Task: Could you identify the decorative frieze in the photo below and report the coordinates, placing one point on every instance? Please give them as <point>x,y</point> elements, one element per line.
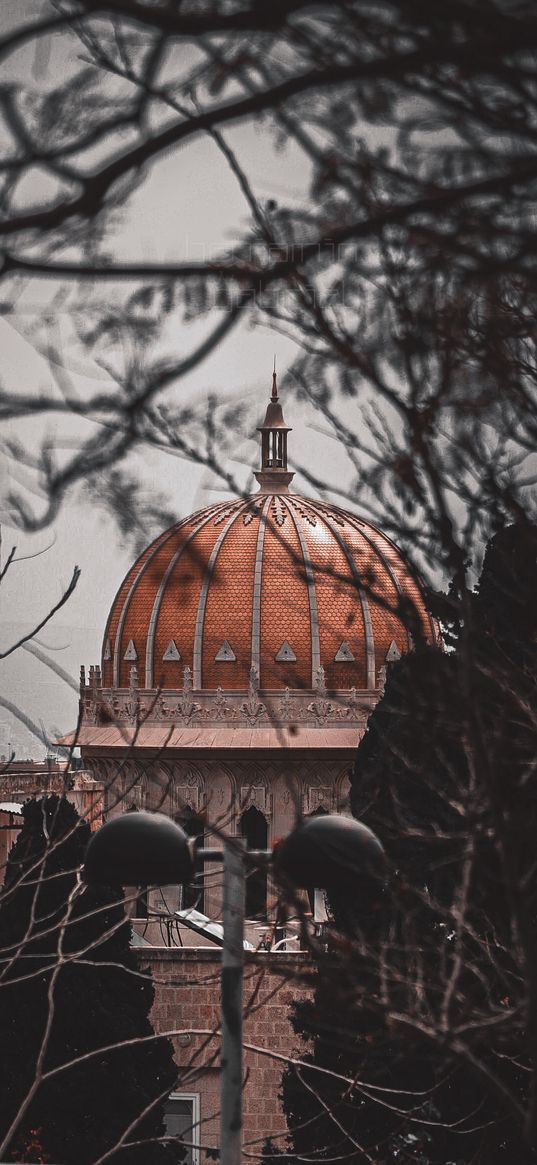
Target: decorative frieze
<point>234,708</point>
<point>227,707</point>
<point>207,787</point>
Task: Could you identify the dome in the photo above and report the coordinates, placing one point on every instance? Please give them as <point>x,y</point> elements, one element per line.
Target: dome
<point>274,582</point>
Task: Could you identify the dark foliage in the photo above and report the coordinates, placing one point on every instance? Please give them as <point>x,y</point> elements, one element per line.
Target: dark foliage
<point>436,1007</point>
<point>99,999</point>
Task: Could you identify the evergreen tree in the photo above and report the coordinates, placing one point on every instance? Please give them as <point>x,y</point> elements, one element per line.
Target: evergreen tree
<point>99,998</point>
<point>436,1006</point>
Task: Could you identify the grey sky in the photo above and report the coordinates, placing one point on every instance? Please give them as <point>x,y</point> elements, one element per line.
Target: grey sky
<point>189,205</point>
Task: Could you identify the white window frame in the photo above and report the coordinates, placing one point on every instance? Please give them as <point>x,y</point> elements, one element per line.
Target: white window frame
<point>194,1097</point>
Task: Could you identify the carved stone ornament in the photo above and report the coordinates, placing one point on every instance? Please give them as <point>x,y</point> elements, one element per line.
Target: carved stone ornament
<point>286,706</point>
<point>344,653</point>
<point>319,797</point>
<point>285,654</point>
<point>163,710</point>
<point>221,709</point>
<point>187,795</point>
<point>255,795</point>
<point>353,703</point>
<point>91,712</point>
<point>172,652</point>
<point>127,709</point>
<point>321,708</point>
<point>187,708</point>
<point>252,708</point>
<point>393,653</point>
<point>225,653</point>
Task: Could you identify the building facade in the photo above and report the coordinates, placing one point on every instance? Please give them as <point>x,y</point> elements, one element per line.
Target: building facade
<point>241,658</point>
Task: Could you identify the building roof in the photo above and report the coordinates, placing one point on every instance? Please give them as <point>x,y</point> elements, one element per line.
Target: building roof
<point>273,591</point>
<point>160,736</point>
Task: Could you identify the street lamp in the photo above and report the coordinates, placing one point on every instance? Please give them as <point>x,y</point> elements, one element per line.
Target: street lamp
<point>141,849</point>
<point>340,850</point>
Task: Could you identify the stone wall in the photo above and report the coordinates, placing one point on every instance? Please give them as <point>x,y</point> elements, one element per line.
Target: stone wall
<point>187,1000</point>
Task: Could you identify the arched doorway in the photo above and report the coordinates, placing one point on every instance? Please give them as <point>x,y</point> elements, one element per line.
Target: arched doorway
<point>254,830</point>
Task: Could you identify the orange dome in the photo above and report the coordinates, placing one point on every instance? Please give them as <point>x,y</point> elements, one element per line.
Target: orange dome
<point>275,582</point>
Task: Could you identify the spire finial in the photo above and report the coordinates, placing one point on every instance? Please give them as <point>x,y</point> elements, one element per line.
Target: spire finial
<point>274,395</point>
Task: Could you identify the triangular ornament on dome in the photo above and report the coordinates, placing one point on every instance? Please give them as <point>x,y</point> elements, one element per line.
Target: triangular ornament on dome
<point>286,653</point>
<point>344,653</point>
<point>131,652</point>
<point>393,653</point>
<point>172,652</point>
<point>225,654</point>
<point>107,653</point>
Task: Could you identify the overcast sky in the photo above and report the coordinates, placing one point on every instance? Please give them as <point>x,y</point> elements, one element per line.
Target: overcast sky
<point>189,205</point>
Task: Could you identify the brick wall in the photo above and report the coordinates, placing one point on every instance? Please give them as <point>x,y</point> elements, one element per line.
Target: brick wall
<point>187,997</point>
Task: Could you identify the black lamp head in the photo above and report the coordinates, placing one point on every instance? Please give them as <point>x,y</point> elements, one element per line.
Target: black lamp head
<point>333,853</point>
<point>139,849</point>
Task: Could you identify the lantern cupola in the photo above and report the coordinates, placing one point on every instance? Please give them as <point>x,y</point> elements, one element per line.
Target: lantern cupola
<point>274,476</point>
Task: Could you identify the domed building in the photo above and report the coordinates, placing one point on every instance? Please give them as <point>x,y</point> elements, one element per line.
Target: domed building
<point>243,654</point>
<point>241,658</point>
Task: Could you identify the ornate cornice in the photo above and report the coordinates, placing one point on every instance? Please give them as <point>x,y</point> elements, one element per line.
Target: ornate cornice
<point>236,708</point>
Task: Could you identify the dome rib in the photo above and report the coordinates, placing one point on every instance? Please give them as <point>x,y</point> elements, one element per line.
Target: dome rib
<point>312,598</point>
<point>197,658</point>
<point>258,578</point>
<point>366,614</point>
<point>153,551</point>
<point>406,566</point>
<point>159,596</point>
<point>359,527</point>
<point>124,610</point>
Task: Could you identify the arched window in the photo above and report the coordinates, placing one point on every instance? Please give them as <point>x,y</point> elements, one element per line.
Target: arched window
<point>254,830</point>
<point>194,826</point>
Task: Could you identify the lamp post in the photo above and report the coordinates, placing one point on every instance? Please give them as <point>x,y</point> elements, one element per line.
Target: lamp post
<point>141,849</point>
